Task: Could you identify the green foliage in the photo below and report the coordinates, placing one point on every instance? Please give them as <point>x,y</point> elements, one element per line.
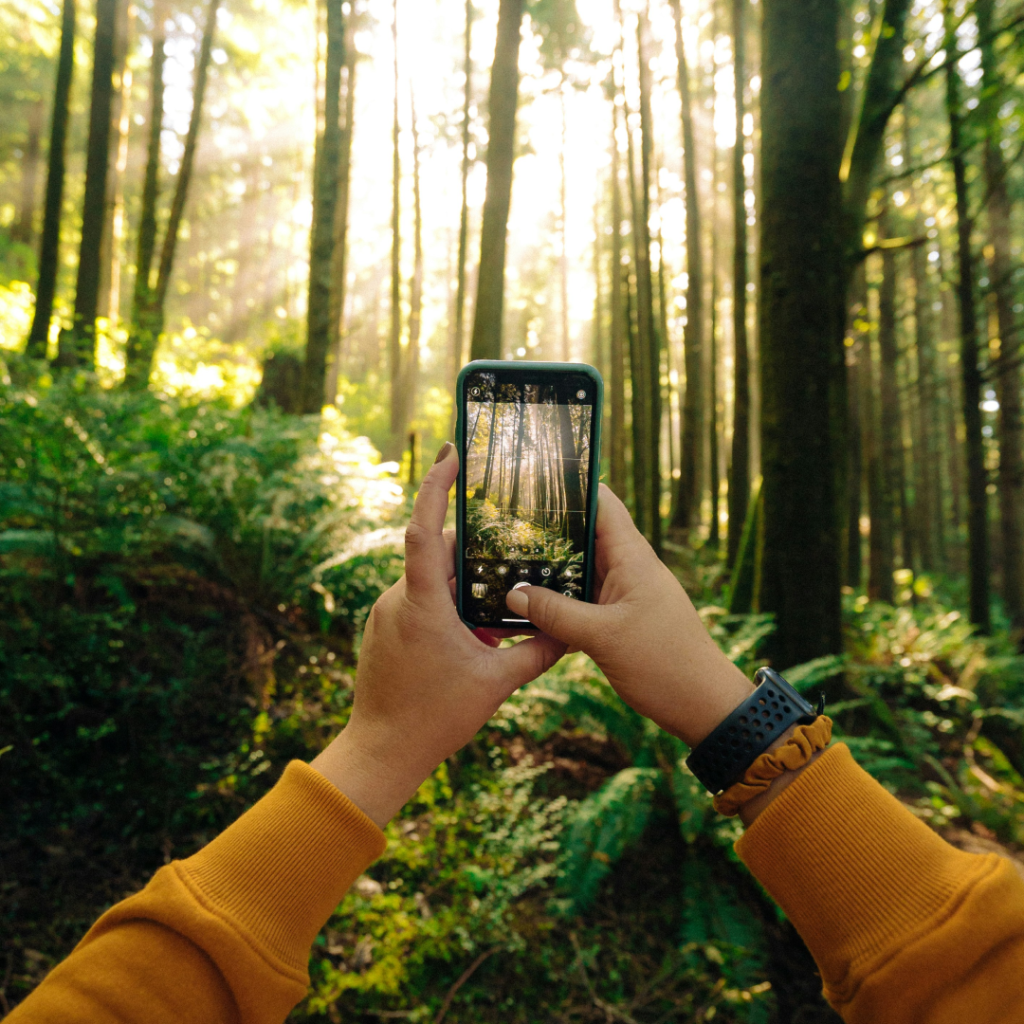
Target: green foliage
<point>502,534</point>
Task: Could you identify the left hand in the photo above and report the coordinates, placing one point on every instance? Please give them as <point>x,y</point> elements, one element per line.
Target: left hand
<point>425,684</point>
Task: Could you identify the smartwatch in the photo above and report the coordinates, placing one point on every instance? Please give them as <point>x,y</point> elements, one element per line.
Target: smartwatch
<point>722,758</point>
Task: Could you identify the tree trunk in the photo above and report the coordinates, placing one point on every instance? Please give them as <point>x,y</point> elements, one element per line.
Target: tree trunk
<point>517,462</point>
<point>339,268</point>
<point>928,486</point>
<point>78,345</point>
<point>858,366</point>
<point>891,437</point>
<point>563,224</point>
<point>880,541</point>
<point>739,471</point>
<point>687,496</point>
<point>395,333</point>
<point>141,341</point>
<point>617,384</point>
<point>649,337</point>
<point>458,335</point>
<point>412,362</point>
<point>24,229</point>
<point>1008,375</point>
<point>977,502</point>
<point>571,479</point>
<point>501,132</point>
<point>113,220</point>
<point>49,242</point>
<point>801,325</point>
<point>325,202</point>
<point>639,351</point>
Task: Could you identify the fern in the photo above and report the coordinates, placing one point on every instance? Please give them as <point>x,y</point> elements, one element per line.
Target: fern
<point>602,827</point>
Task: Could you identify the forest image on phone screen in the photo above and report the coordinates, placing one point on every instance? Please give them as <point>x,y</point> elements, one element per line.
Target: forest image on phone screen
<point>527,472</point>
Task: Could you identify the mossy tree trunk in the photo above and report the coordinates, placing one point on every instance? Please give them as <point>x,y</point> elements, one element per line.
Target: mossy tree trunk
<point>503,99</point>
<point>49,241</point>
<point>139,350</point>
<point>325,201</point>
<point>739,470</point>
<point>977,501</point>
<point>77,346</point>
<point>1008,374</point>
<point>802,285</point>
<point>686,507</point>
<point>617,383</point>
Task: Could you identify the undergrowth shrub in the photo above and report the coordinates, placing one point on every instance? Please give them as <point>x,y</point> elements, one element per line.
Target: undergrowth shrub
<point>171,576</point>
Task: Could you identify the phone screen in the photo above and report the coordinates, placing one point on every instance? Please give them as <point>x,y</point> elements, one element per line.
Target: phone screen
<point>528,442</point>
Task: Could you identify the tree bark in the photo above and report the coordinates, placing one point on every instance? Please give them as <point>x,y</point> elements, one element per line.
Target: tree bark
<point>412,362</point>
<point>649,336</point>
<point>858,355</point>
<point>325,202</point>
<point>977,501</point>
<point>803,392</point>
<point>24,228</point>
<point>739,471</point>
<point>502,101</point>
<point>890,452</point>
<point>77,346</point>
<point>1008,374</point>
<point>141,343</point>
<point>49,242</point>
<point>113,220</point>
<point>395,332</point>
<point>880,542</point>
<point>458,335</point>
<point>617,384</point>
<point>339,268</point>
<point>563,226</point>
<point>687,497</point>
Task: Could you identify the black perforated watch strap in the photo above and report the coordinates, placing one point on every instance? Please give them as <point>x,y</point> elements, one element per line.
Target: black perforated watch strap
<point>721,759</point>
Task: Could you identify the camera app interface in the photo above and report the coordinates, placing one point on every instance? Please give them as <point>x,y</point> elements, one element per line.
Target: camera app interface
<point>527,464</point>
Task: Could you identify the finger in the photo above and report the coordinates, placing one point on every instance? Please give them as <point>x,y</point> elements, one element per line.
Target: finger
<point>449,540</point>
<point>527,660</point>
<point>571,621</point>
<point>426,551</point>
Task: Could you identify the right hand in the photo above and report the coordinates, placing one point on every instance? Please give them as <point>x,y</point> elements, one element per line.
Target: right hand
<point>643,632</point>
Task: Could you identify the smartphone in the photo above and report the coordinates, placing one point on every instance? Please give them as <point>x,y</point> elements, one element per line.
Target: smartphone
<point>529,442</point>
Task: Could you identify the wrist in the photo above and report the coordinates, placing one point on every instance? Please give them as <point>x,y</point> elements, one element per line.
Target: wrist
<point>701,708</point>
<point>370,772</point>
<point>752,808</point>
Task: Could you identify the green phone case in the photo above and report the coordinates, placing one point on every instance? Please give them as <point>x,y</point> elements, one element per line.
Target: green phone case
<point>595,463</point>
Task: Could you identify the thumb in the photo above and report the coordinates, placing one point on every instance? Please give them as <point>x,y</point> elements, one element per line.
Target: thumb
<point>566,619</point>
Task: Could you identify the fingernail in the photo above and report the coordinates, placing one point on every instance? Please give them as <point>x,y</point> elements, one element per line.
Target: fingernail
<point>443,453</point>
<point>518,602</point>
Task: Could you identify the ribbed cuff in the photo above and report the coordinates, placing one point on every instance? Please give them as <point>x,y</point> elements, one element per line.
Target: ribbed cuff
<point>281,869</point>
<point>857,874</point>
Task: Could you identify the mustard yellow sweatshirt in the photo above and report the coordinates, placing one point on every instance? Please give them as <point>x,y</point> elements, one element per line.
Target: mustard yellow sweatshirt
<point>903,926</point>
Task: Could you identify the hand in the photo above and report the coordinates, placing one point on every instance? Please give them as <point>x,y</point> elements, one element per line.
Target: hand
<point>643,632</point>
<point>425,684</point>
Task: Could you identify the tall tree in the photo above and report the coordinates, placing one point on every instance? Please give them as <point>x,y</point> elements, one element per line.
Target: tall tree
<point>113,220</point>
<point>891,437</point>
<point>412,361</point>
<point>739,471</point>
<point>858,366</point>
<point>325,202</point>
<point>647,325</point>
<point>395,333</point>
<point>503,99</point>
<point>617,347</point>
<point>880,539</point>
<point>24,227</point>
<point>801,325</point>
<point>138,353</point>
<point>1007,367</point>
<point>458,335</point>
<point>49,241</point>
<point>339,269</point>
<point>78,345</point>
<point>687,497</point>
<point>977,501</point>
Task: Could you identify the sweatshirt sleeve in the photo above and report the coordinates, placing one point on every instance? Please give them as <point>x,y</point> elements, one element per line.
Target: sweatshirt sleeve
<point>904,927</point>
<point>225,935</point>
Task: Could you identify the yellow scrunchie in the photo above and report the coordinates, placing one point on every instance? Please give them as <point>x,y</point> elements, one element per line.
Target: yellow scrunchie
<point>794,753</point>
